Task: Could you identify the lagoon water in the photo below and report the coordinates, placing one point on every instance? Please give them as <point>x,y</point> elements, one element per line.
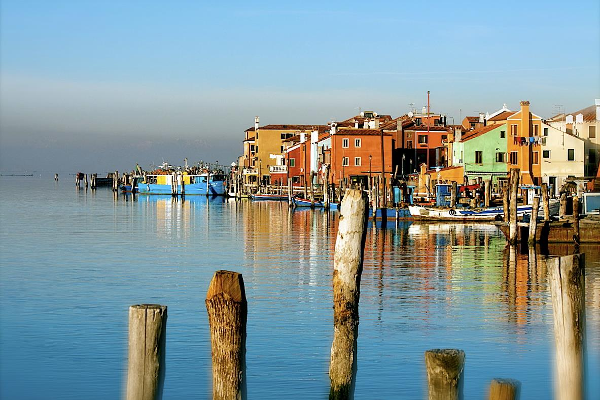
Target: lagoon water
<point>72,261</point>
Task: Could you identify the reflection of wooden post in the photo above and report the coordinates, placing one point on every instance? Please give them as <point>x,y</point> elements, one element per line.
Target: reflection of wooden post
<point>347,270</point>
<point>453,194</point>
<point>444,373</point>
<point>566,278</point>
<point>563,205</point>
<point>533,220</point>
<point>504,389</point>
<point>545,202</point>
<point>514,187</point>
<point>227,313</point>
<point>146,361</point>
<point>488,193</point>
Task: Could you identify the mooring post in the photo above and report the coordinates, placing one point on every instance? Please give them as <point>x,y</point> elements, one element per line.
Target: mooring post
<point>312,190</point>
<point>290,191</point>
<point>545,202</point>
<point>567,287</point>
<point>514,188</point>
<point>488,193</point>
<point>533,220</point>
<point>444,373</point>
<point>506,201</point>
<point>227,314</point>
<point>146,356</point>
<point>347,270</point>
<point>504,389</point>
<point>563,205</point>
<point>576,238</point>
<point>453,194</point>
<point>85,180</point>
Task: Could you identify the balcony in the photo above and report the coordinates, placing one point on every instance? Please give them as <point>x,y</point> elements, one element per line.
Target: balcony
<point>278,169</point>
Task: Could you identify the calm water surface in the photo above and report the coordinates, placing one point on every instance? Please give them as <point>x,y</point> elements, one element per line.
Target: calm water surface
<point>72,261</point>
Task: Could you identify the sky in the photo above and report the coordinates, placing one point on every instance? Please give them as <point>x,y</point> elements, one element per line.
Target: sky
<point>98,86</point>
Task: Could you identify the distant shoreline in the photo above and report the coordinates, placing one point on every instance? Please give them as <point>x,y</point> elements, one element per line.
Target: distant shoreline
<point>16,174</point>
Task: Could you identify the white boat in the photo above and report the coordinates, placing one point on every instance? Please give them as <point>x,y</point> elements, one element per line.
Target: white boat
<point>484,214</point>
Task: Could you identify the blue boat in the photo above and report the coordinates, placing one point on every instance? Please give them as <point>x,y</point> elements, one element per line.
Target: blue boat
<point>205,184</point>
<point>272,197</point>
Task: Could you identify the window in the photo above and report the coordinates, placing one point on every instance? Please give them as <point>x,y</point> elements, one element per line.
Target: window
<point>356,142</point>
<point>478,157</point>
<point>422,139</point>
<point>409,144</point>
<point>418,121</point>
<point>357,161</point>
<point>345,161</point>
<point>535,157</point>
<point>513,157</point>
<point>545,131</point>
<point>252,148</point>
<point>292,162</point>
<point>536,130</point>
<point>345,143</point>
<point>546,154</point>
<point>592,132</point>
<point>514,130</point>
<point>571,155</point>
<point>502,134</point>
<point>285,136</point>
<point>500,157</point>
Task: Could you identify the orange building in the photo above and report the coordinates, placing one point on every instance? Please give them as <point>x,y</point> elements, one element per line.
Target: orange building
<point>524,144</point>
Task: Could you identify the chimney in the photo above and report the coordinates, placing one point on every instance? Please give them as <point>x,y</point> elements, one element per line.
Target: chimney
<point>256,119</point>
<point>333,130</point>
<point>481,118</point>
<point>597,109</point>
<point>525,129</point>
<point>302,137</point>
<point>356,124</point>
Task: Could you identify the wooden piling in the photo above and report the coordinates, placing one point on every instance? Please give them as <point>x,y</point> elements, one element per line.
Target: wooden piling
<point>488,192</point>
<point>146,356</point>
<point>576,237</point>
<point>227,314</point>
<point>85,180</point>
<point>290,192</point>
<point>567,287</point>
<point>444,373</point>
<point>348,263</point>
<point>312,189</point>
<point>504,389</point>
<point>533,220</point>
<point>453,190</point>
<point>506,201</point>
<point>563,206</point>
<point>514,188</point>
<point>545,202</point>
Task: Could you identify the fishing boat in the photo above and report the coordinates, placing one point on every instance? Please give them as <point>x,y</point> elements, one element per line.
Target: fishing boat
<point>466,214</point>
<point>182,183</point>
<point>300,202</point>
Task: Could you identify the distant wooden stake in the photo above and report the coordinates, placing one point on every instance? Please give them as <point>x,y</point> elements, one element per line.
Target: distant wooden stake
<point>453,190</point>
<point>545,202</point>
<point>506,201</point>
<point>504,389</point>
<point>444,373</point>
<point>347,270</point>
<point>146,364</point>
<point>514,188</point>
<point>227,314</point>
<point>488,192</point>
<point>563,206</point>
<point>533,220</point>
<point>576,220</point>
<point>567,287</point>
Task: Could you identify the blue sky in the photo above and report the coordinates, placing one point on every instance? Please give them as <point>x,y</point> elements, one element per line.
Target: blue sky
<point>101,85</point>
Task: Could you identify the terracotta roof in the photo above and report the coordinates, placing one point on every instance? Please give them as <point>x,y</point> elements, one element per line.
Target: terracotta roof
<point>320,128</point>
<point>423,128</point>
<point>589,114</point>
<point>472,119</point>
<point>478,132</point>
<point>502,116</point>
<point>393,124</point>
<point>361,132</point>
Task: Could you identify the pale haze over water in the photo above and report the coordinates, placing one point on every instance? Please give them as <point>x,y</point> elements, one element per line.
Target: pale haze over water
<point>73,261</point>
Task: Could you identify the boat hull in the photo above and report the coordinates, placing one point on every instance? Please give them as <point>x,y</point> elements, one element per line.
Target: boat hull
<point>271,197</point>
<point>214,189</point>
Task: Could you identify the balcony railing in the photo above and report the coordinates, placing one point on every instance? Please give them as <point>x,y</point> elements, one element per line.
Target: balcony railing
<point>278,169</point>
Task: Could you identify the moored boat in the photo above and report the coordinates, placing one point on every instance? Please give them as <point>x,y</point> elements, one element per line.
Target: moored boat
<point>207,184</point>
<point>272,197</point>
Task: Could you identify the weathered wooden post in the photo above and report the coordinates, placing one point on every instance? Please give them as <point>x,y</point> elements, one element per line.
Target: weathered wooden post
<point>506,201</point>
<point>227,314</point>
<point>567,287</point>
<point>116,181</point>
<point>444,373</point>
<point>533,220</point>
<point>207,183</point>
<point>146,359</point>
<point>514,187</point>
<point>85,180</point>
<point>576,238</point>
<point>347,270</point>
<point>563,205</point>
<point>488,192</point>
<point>182,183</point>
<point>312,189</point>
<point>545,202</point>
<point>504,389</point>
<point>428,185</point>
<point>290,192</point>
<point>453,190</point>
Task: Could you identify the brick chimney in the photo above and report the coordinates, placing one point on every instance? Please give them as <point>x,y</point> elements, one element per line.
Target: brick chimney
<point>525,128</point>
